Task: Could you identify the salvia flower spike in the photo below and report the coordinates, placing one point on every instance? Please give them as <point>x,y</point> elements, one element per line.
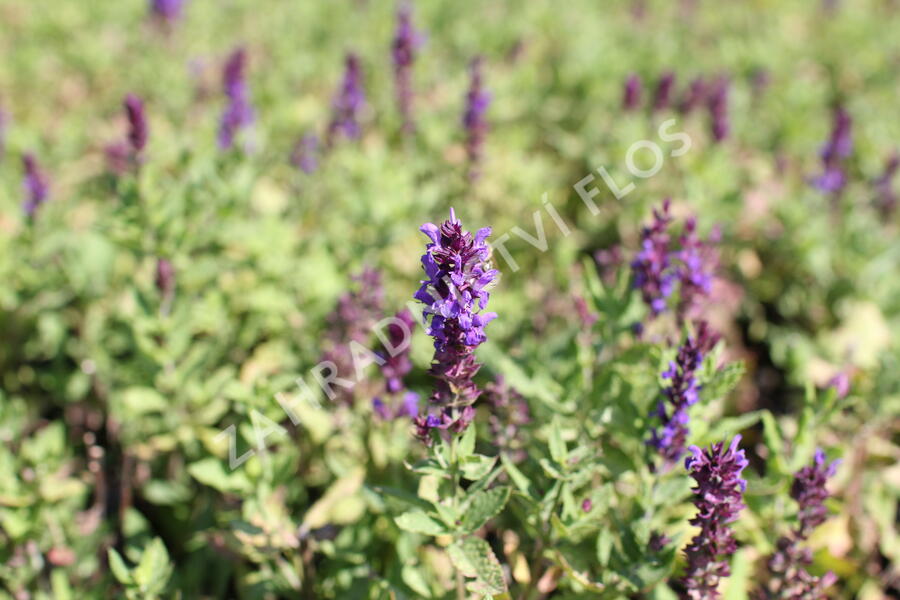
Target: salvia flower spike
<point>305,153</point>
<point>238,114</point>
<point>833,154</point>
<point>455,293</point>
<point>651,266</point>
<point>717,103</point>
<point>633,91</point>
<point>35,184</point>
<point>680,393</point>
<point>789,578</point>
<point>886,196</point>
<point>403,52</point>
<point>478,99</point>
<point>718,496</point>
<point>696,262</point>
<point>137,123</point>
<point>348,102</point>
<point>167,11</point>
<point>662,99</point>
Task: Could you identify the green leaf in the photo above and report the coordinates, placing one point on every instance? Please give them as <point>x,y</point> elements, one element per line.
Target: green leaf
<point>483,506</point>
<point>477,466</point>
<point>153,572</point>
<point>774,443</point>
<point>118,568</point>
<point>324,510</point>
<point>739,581</point>
<point>558,448</point>
<point>604,546</point>
<point>210,471</point>
<point>475,559</point>
<point>518,478</point>
<point>466,444</point>
<point>417,521</point>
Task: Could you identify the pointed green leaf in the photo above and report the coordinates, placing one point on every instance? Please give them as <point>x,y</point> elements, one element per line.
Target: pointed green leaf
<point>483,506</point>
<point>475,559</point>
<point>417,521</point>
<point>118,568</point>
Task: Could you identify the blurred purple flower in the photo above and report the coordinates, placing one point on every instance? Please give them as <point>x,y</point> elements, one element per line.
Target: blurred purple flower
<point>631,97</point>
<point>509,413</point>
<point>403,51</point>
<point>838,147</point>
<point>125,155</point>
<point>478,99</point>
<point>585,316</point>
<point>695,265</point>
<point>609,261</point>
<point>35,184</point>
<point>681,392</point>
<point>396,352</point>
<point>409,407</point>
<point>717,104</point>
<point>238,113</point>
<point>694,97</point>
<point>841,384</point>
<point>167,11</point>
<point>887,197</point>
<point>810,493</point>
<point>137,123</point>
<point>304,156</point>
<point>787,565</point>
<point>718,497</point>
<point>662,97</point>
<point>455,293</point>
<point>352,322</point>
<point>348,102</point>
<point>651,266</point>
<point>165,277</point>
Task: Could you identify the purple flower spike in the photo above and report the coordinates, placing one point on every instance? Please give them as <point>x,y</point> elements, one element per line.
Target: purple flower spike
<point>167,11</point>
<point>810,493</point>
<point>403,51</point>
<point>35,184</point>
<point>838,147</point>
<point>165,277</point>
<point>663,96</point>
<point>137,123</point>
<point>718,497</point>
<point>717,103</point>
<point>631,97</point>
<point>396,362</point>
<point>348,103</point>
<point>238,113</point>
<point>696,263</point>
<point>509,414</point>
<point>887,197</point>
<point>351,323</point>
<point>455,293</point>
<point>787,565</point>
<point>651,265</point>
<point>694,97</point>
<point>478,99</point>
<point>305,153</point>
<point>681,393</point>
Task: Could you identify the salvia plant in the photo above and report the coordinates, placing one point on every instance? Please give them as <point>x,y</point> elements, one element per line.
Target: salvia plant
<point>294,305</point>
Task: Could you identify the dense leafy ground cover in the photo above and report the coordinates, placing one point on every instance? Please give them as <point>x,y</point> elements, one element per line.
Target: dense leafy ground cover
<point>175,276</point>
